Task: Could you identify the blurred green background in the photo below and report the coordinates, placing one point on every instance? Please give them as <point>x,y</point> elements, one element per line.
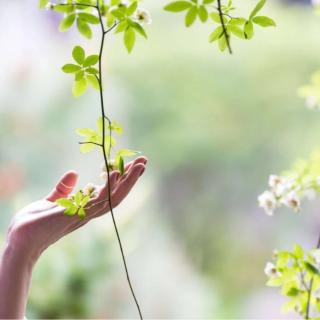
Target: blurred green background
<point>213,126</point>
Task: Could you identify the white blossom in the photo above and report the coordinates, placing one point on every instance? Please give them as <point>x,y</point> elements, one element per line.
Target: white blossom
<point>89,189</point>
<point>268,202</point>
<point>143,16</point>
<point>104,176</point>
<point>292,200</point>
<point>275,180</point>
<point>271,270</point>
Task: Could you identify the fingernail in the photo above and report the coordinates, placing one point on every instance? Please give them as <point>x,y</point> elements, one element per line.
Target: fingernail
<point>142,171</point>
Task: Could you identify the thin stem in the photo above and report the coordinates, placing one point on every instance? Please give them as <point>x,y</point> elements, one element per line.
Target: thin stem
<point>76,4</point>
<point>89,142</point>
<point>224,28</point>
<point>310,289</point>
<point>104,32</point>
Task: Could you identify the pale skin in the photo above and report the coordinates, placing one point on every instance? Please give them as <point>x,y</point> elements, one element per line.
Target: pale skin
<point>42,223</point>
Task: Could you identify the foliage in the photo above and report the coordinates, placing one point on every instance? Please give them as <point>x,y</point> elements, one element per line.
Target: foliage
<point>75,205</point>
<point>297,273</point>
<point>221,15</point>
<point>124,18</point>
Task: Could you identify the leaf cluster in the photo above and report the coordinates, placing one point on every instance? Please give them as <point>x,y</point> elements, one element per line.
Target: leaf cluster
<point>297,273</point>
<point>84,71</point>
<point>226,25</point>
<point>84,14</point>
<point>94,139</point>
<point>75,205</point>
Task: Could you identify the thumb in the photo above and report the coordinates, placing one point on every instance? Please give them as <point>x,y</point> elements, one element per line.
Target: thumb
<point>64,187</point>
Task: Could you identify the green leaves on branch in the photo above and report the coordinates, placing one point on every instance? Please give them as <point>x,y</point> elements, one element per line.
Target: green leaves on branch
<point>93,139</point>
<point>226,24</point>
<point>129,18</point>
<point>75,205</point>
<point>84,70</point>
<point>297,273</point>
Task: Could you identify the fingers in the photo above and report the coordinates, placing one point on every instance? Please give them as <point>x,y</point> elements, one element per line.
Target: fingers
<point>121,188</point>
<point>104,191</point>
<point>64,187</point>
<point>141,159</point>
<point>125,186</point>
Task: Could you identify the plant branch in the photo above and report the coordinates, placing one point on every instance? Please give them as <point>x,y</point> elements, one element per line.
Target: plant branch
<point>103,114</point>
<point>76,4</point>
<point>310,290</point>
<point>89,142</point>
<point>225,32</point>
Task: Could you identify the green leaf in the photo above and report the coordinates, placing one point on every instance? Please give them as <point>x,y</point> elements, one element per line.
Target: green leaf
<point>216,18</point>
<point>85,148</point>
<point>248,30</point>
<point>191,16</point>
<point>93,81</point>
<point>67,22</point>
<point>264,21</point>
<point>91,60</point>
<point>222,43</point>
<point>216,34</point>
<point>78,54</point>
<point>85,201</point>
<point>86,132</point>
<point>63,9</point>
<point>115,127</point>
<point>177,6</point>
<point>92,70</point>
<point>236,30</point>
<point>311,268</point>
<point>125,153</point>
<point>237,21</point>
<point>63,202</point>
<point>82,213</point>
<point>43,3</point>
<point>121,165</point>
<point>139,29</point>
<point>132,8</point>
<point>298,251</point>
<point>88,17</point>
<point>257,8</point>
<point>84,28</point>
<point>71,68</point>
<point>71,211</point>
<point>79,87</point>
<point>129,39</point>
<point>203,14</point>
<point>78,197</point>
<point>208,1</point>
<point>122,26</point>
<point>119,14</point>
<point>79,75</point>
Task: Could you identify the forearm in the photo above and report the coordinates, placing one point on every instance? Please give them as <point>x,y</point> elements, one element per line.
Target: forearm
<point>15,278</point>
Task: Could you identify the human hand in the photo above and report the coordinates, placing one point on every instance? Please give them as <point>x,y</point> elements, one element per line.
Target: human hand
<point>42,223</point>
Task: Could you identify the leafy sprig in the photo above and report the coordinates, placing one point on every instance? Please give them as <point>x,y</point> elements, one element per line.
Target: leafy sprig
<point>75,205</point>
<point>226,25</point>
<point>122,18</point>
<point>297,273</point>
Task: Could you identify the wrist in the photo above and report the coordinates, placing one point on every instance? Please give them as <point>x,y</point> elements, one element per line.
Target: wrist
<point>15,276</point>
<point>19,251</point>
